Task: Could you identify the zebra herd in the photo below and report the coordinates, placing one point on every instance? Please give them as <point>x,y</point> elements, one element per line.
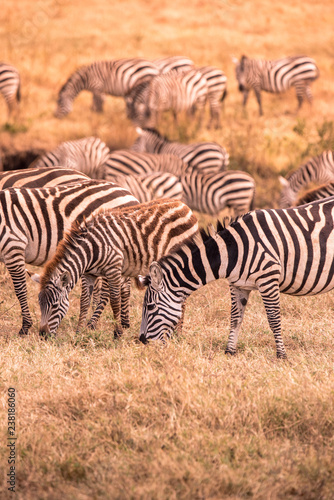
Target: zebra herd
<point>102,216</point>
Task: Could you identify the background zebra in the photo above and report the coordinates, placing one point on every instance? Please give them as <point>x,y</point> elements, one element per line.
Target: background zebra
<point>123,162</point>
<point>209,157</point>
<point>33,221</point>
<point>318,193</point>
<point>276,76</point>
<point>217,81</point>
<point>40,177</point>
<point>10,87</point>
<point>319,169</point>
<point>116,77</point>
<point>273,251</point>
<point>87,155</point>
<point>170,91</point>
<point>174,63</point>
<point>212,193</point>
<point>152,186</point>
<point>118,245</point>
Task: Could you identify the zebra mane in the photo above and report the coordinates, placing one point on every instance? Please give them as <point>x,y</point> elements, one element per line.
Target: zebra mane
<point>156,133</point>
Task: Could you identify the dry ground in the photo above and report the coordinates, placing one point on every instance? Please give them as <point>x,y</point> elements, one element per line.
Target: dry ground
<point>103,419</point>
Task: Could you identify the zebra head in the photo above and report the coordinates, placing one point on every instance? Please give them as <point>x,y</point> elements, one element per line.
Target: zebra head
<point>241,73</point>
<point>288,195</point>
<point>162,307</point>
<point>64,102</point>
<point>54,302</point>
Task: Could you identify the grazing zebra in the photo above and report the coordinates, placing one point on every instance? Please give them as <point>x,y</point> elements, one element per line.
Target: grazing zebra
<point>318,193</point>
<point>87,155</point>
<point>117,245</point>
<point>152,186</point>
<point>10,87</point>
<point>124,162</point>
<point>319,169</point>
<point>170,91</point>
<point>217,81</point>
<point>273,251</point>
<point>40,177</point>
<point>33,221</point>
<point>211,193</point>
<point>116,77</point>
<point>174,63</point>
<point>208,157</point>
<point>276,76</point>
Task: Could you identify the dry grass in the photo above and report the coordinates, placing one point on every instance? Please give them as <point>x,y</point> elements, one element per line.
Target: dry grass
<point>105,419</point>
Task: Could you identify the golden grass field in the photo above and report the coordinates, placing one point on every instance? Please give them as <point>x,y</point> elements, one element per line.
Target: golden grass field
<point>103,419</point>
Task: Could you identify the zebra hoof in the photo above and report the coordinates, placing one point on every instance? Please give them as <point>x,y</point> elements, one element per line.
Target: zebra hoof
<point>23,332</point>
<point>230,352</point>
<point>126,324</point>
<point>281,356</point>
<point>117,334</point>
<point>91,326</point>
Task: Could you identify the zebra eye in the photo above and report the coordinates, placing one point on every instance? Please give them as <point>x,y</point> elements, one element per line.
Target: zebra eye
<point>151,307</point>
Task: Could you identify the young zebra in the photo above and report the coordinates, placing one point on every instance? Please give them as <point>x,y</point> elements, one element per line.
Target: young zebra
<point>276,76</point>
<point>212,193</point>
<point>115,77</point>
<point>10,87</point>
<point>152,186</point>
<point>40,177</point>
<point>124,162</point>
<point>217,81</point>
<point>273,251</point>
<point>170,91</point>
<point>319,169</point>
<point>318,193</point>
<point>117,245</point>
<point>87,155</point>
<point>208,157</point>
<point>174,63</point>
<point>33,221</point>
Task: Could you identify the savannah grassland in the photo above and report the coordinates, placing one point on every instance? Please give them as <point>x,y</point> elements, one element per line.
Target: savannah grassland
<point>98,418</point>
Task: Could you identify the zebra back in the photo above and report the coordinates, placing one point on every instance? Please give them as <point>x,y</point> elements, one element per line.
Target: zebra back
<point>40,177</point>
<point>173,63</point>
<point>152,186</point>
<point>10,86</point>
<point>318,193</point>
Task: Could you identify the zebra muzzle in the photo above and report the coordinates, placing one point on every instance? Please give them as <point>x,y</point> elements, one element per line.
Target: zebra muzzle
<point>143,339</point>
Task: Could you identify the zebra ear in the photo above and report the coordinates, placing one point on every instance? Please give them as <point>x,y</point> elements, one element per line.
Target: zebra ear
<point>139,130</point>
<point>155,274</point>
<point>235,60</point>
<point>283,181</point>
<point>35,277</point>
<point>65,278</point>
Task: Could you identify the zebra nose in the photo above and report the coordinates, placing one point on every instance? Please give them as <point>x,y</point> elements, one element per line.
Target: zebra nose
<point>44,331</point>
<point>142,339</point>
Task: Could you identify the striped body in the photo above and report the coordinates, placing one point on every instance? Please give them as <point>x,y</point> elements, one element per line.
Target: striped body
<point>211,193</point>
<point>123,162</point>
<point>117,245</point>
<point>318,193</point>
<point>319,169</point>
<point>209,157</point>
<point>10,87</point>
<point>87,155</point>
<point>152,186</point>
<point>273,251</point>
<point>174,63</point>
<point>170,91</point>
<point>217,82</point>
<point>277,76</point>
<point>40,177</point>
<point>33,221</point>
<point>116,77</point>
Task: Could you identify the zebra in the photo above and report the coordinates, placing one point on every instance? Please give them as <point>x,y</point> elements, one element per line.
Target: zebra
<point>319,169</point>
<point>318,193</point>
<point>174,63</point>
<point>152,186</point>
<point>211,193</point>
<point>270,250</point>
<point>217,82</point>
<point>170,91</point>
<point>10,87</point>
<point>33,221</point>
<point>124,162</point>
<point>115,244</point>
<point>88,155</point>
<point>276,76</point>
<point>208,157</point>
<point>115,77</point>
<point>40,177</point>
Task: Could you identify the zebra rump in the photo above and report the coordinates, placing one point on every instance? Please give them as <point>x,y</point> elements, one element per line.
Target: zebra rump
<point>40,177</point>
<point>152,186</point>
<point>10,87</point>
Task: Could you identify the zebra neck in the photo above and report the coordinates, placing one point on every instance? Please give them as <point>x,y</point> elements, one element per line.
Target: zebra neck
<point>76,261</point>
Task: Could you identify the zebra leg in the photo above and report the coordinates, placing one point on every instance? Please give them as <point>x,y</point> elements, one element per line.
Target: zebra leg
<point>18,274</point>
<point>239,299</point>
<point>245,97</point>
<point>97,103</point>
<point>87,286</point>
<point>114,278</point>
<point>102,302</point>
<point>271,300</point>
<point>258,98</point>
<point>125,301</point>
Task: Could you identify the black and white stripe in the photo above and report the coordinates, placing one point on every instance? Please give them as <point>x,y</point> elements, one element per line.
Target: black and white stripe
<point>33,221</point>
<point>116,245</point>
<point>152,186</point>
<point>217,83</point>
<point>319,169</point>
<point>174,63</point>
<point>116,77</point>
<point>318,193</point>
<point>209,157</point>
<point>276,76</point>
<point>273,251</point>
<point>40,177</point>
<point>211,193</point>
<point>87,155</point>
<point>10,87</point>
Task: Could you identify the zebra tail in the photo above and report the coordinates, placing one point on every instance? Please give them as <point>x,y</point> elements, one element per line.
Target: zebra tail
<point>224,94</point>
<point>18,93</point>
